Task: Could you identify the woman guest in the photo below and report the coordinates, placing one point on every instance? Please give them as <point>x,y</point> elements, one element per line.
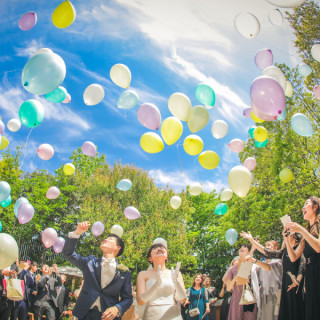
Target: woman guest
<point>160,289</point>
<point>310,248</point>
<point>197,298</point>
<point>213,297</point>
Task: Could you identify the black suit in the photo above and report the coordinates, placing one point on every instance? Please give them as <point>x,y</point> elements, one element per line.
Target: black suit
<point>62,300</point>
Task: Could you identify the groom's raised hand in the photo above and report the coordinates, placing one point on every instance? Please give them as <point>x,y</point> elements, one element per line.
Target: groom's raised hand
<point>82,227</point>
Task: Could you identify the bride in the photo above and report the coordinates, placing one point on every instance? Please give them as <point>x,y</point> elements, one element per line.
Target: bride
<point>160,289</point>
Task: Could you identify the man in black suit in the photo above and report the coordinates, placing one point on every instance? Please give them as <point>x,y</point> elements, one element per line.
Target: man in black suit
<point>61,300</point>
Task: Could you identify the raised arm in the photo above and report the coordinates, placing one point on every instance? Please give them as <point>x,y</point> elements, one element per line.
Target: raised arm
<point>294,255</point>
<point>255,244</point>
<point>262,265</point>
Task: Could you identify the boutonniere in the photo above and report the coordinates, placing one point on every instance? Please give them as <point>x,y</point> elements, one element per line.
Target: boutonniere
<point>121,267</point>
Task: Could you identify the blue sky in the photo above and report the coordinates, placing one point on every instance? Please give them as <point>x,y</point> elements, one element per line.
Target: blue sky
<point>169,46</point>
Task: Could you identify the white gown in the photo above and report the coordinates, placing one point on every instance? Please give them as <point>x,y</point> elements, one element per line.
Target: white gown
<point>162,305</point>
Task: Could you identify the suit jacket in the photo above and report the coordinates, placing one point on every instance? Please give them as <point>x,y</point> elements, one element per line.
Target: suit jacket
<point>30,285</point>
<point>119,288</point>
<point>62,299</point>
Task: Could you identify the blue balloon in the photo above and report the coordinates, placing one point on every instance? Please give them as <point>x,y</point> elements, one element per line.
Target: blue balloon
<point>128,100</point>
<point>231,236</point>
<point>5,190</point>
<point>301,125</point>
<point>221,209</point>
<point>6,203</point>
<point>18,203</point>
<point>57,95</point>
<point>124,185</point>
<point>0,226</point>
<point>205,94</point>
<point>304,69</point>
<point>250,131</point>
<point>282,116</point>
<point>262,144</point>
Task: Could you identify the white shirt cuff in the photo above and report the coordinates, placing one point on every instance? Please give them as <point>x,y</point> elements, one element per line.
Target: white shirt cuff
<point>73,235</point>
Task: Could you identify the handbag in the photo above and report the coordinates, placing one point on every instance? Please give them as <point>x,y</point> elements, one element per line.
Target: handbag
<point>195,311</point>
<point>247,296</point>
<point>15,289</point>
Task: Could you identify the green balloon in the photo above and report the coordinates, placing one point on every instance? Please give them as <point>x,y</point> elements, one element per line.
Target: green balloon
<point>205,94</point>
<point>31,113</point>
<point>57,95</point>
<point>6,203</point>
<point>260,144</point>
<point>0,226</point>
<point>250,131</point>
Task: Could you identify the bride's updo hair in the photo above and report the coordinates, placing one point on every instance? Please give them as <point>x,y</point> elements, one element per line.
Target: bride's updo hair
<point>157,245</point>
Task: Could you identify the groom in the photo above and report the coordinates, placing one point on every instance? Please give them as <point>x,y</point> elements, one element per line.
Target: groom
<point>107,290</point>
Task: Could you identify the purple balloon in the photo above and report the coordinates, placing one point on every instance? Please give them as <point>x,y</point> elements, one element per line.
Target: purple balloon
<point>247,112</point>
<point>89,149</point>
<point>58,245</point>
<point>25,213</point>
<point>267,98</point>
<point>49,237</point>
<point>97,228</point>
<point>131,213</point>
<point>264,58</point>
<point>27,21</point>
<point>2,127</point>
<point>149,116</point>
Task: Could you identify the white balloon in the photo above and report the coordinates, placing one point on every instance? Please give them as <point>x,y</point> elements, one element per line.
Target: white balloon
<point>180,106</point>
<point>93,94</point>
<point>315,52</point>
<point>240,180</point>
<point>289,90</point>
<point>8,250</point>
<point>175,202</point>
<point>195,188</point>
<point>226,194</point>
<point>247,24</point>
<point>276,17</point>
<point>45,151</point>
<point>219,129</point>
<point>276,74</point>
<point>14,125</point>
<point>287,3</point>
<point>120,74</point>
<point>116,229</point>
<point>42,50</point>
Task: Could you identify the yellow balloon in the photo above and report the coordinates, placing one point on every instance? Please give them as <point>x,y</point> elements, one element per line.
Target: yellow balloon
<point>209,159</point>
<point>4,143</point>
<point>289,89</point>
<point>69,169</point>
<point>260,134</point>
<point>240,180</point>
<point>199,118</point>
<point>64,15</point>
<point>193,145</point>
<point>151,142</point>
<point>286,175</point>
<point>255,118</point>
<point>120,74</point>
<point>171,130</point>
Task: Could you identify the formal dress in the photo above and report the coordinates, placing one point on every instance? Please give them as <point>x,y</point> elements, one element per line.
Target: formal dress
<point>212,294</point>
<point>198,299</point>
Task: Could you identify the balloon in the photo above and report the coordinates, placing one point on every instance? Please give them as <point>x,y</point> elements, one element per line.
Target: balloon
<point>250,163</point>
<point>131,213</point>
<point>315,52</point>
<point>231,236</point>
<point>286,175</point>
<point>97,228</point>
<point>275,17</point>
<point>2,127</point>
<point>9,251</point>
<point>264,58</point>
<point>64,15</point>
<point>149,116</point>
<point>18,203</point>
<point>282,116</point>
<point>301,125</point>
<point>67,99</point>
<point>57,96</point>
<point>128,100</point>
<point>43,50</point>
<point>171,130</point>
<point>205,94</point>
<point>258,144</point>
<point>267,97</point>
<point>14,125</point>
<point>69,169</point>
<point>193,145</point>
<point>27,21</point>
<point>199,117</point>
<point>255,118</point>
<point>151,142</point>
<point>0,226</point>
<point>31,113</point>
<point>25,213</point>
<point>89,149</point>
<point>260,134</point>
<point>236,145</point>
<point>116,229</point>
<point>6,203</point>
<point>49,237</point>
<point>58,245</point>
<point>4,143</point>
<point>247,112</point>
<point>247,25</point>
<point>239,180</point>
<point>251,130</point>
<point>124,185</point>
<point>226,194</point>
<point>209,159</point>
<point>93,94</point>
<point>175,202</point>
<point>195,189</point>
<point>262,115</point>
<point>53,193</point>
<point>45,151</point>
<point>287,3</point>
<point>276,74</point>
<point>43,73</point>
<point>316,92</point>
<point>304,69</point>
<point>120,75</point>
<point>180,106</point>
<point>289,89</point>
<point>219,129</point>
<point>221,209</point>
<point>5,190</point>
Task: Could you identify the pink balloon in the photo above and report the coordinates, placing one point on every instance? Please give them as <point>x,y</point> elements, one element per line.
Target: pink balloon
<point>25,213</point>
<point>262,116</point>
<point>2,127</point>
<point>131,213</point>
<point>149,116</point>
<point>236,145</point>
<point>58,245</point>
<point>267,97</point>
<point>250,163</point>
<point>53,193</point>
<point>247,112</point>
<point>67,99</point>
<point>263,58</point>
<point>89,149</point>
<point>49,237</point>
<point>45,151</point>
<point>316,92</point>
<point>97,228</point>
<point>27,21</point>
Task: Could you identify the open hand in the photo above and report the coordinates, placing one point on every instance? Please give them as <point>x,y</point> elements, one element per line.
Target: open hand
<point>294,227</point>
<point>82,227</point>
<point>246,235</point>
<point>175,272</point>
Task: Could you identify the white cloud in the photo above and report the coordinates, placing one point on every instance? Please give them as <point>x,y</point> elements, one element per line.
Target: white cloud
<point>31,48</point>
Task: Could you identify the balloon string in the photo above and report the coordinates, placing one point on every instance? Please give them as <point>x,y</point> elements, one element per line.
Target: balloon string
<point>19,241</point>
<point>25,147</point>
